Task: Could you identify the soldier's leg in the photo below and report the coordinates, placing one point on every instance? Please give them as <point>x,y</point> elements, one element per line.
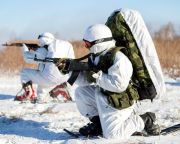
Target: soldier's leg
<point>117,124</point>
<point>85,100</point>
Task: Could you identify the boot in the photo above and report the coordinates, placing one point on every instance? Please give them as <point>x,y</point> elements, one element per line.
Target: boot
<point>28,93</point>
<point>61,90</point>
<point>93,128</point>
<point>149,119</point>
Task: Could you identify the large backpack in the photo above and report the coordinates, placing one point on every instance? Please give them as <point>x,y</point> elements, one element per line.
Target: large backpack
<point>129,31</point>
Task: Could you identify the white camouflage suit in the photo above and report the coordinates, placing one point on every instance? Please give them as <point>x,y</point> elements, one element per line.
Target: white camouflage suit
<point>47,75</point>
<point>116,124</point>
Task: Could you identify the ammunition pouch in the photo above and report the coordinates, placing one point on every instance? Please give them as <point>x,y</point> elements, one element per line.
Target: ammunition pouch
<point>122,100</point>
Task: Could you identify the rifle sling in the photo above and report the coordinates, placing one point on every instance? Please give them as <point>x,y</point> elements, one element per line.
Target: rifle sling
<point>82,58</point>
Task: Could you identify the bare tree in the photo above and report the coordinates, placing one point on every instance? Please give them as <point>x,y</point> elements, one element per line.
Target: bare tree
<point>166,32</point>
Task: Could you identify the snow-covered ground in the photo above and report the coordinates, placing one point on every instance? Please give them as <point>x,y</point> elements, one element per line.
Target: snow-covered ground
<point>26,123</point>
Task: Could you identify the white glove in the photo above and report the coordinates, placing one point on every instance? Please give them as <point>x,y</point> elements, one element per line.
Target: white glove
<point>25,48</point>
<point>97,75</point>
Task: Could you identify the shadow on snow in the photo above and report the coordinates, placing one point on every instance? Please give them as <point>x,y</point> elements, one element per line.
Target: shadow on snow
<point>29,128</point>
<point>173,83</point>
<point>5,97</point>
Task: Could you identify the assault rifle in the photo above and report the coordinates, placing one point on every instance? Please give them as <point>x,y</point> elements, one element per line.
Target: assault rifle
<point>70,65</point>
<point>31,46</point>
<point>67,65</point>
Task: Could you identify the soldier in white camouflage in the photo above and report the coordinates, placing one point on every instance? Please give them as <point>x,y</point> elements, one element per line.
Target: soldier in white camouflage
<point>108,97</point>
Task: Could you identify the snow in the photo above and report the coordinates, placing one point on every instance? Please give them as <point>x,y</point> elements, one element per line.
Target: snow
<point>27,123</point>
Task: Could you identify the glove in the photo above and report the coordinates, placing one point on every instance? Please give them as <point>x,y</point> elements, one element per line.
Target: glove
<point>25,48</point>
<point>93,76</point>
<point>63,65</point>
<point>90,78</point>
<point>97,75</point>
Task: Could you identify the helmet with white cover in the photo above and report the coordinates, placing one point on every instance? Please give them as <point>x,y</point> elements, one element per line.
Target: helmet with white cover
<point>45,38</point>
<point>99,37</point>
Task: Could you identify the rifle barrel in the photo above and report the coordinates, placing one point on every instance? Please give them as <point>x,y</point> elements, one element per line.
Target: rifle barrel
<point>30,45</point>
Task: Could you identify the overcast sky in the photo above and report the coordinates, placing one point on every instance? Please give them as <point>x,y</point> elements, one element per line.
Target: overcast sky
<point>26,19</point>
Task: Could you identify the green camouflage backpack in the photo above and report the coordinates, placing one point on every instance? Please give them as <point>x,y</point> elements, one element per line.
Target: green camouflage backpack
<point>124,38</point>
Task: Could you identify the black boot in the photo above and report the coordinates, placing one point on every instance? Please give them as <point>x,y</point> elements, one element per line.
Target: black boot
<point>93,128</point>
<point>149,118</point>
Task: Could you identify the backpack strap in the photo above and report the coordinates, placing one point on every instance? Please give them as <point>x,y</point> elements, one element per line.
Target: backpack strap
<point>107,60</point>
